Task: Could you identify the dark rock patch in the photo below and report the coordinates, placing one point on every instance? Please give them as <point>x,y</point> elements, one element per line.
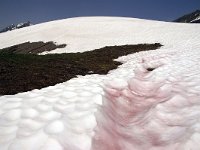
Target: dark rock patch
<point>150,69</point>
<point>14,27</point>
<point>32,47</point>
<point>25,72</point>
<point>190,18</point>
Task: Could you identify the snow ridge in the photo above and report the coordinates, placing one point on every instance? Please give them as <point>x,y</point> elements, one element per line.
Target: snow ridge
<point>153,110</point>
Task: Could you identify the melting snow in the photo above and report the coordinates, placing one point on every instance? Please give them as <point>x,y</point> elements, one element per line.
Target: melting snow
<point>131,108</point>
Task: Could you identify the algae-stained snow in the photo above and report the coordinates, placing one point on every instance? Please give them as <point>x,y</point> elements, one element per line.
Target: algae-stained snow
<point>165,106</point>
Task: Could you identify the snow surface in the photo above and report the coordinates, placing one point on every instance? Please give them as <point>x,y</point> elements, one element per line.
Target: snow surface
<point>128,109</point>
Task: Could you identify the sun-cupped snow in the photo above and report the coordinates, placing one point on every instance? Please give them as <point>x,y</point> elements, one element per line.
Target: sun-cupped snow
<point>154,110</point>
<point>150,102</point>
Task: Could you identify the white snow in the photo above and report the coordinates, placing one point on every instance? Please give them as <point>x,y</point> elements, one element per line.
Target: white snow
<point>88,33</point>
<point>142,109</point>
<point>55,127</point>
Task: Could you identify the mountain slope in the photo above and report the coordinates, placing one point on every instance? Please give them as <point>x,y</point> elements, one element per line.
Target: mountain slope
<point>87,33</point>
<point>193,17</point>
<point>150,102</point>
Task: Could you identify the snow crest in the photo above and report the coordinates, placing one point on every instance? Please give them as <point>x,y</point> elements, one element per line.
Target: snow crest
<point>156,109</point>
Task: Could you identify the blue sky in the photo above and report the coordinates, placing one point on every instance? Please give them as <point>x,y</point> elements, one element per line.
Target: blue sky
<point>36,11</point>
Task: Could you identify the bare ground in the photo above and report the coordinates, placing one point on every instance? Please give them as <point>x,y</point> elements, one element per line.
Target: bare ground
<point>21,71</point>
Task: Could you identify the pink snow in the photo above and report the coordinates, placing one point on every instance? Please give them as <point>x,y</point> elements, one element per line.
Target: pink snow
<point>146,113</point>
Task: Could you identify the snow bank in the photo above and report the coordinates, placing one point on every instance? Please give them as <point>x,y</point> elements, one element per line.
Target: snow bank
<point>54,118</point>
<point>153,110</point>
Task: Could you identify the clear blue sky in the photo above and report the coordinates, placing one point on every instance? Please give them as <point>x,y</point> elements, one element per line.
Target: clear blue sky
<point>36,11</point>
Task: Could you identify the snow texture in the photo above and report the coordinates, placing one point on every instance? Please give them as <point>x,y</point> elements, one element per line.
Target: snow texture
<point>150,102</point>
<point>156,110</point>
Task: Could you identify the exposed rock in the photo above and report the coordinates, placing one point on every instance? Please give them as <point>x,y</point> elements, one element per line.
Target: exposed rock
<point>193,17</point>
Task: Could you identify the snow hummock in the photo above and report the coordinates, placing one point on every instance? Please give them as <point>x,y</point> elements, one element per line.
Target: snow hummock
<point>131,108</point>
<point>157,109</point>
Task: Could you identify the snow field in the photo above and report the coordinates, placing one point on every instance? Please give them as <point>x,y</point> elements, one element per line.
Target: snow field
<point>131,108</point>
<point>33,119</point>
<point>88,33</point>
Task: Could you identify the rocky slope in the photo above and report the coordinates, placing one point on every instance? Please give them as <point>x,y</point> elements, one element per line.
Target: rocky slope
<point>193,17</point>
<point>18,26</point>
